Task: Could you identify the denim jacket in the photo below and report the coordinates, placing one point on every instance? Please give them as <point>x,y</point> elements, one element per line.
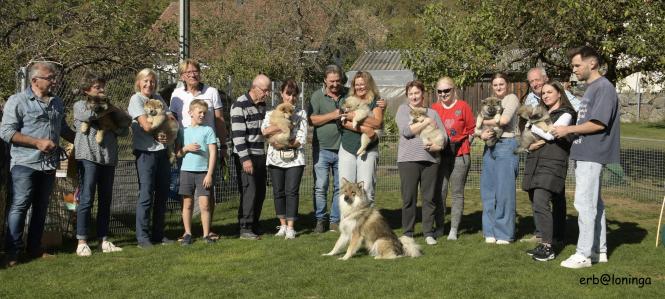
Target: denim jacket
<point>25,113</point>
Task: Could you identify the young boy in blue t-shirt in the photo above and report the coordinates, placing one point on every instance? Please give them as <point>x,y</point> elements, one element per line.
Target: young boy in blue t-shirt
<point>199,152</point>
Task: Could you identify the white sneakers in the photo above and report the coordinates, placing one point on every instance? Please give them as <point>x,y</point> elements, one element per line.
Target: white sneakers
<point>576,261</point>
<point>108,247</point>
<point>430,240</point>
<point>502,242</point>
<point>281,232</point>
<point>286,232</point>
<point>83,250</point>
<point>490,240</point>
<point>290,233</point>
<point>599,257</point>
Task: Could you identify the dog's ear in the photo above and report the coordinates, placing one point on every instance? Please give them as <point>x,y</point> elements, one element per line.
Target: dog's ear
<point>345,181</point>
<point>361,185</point>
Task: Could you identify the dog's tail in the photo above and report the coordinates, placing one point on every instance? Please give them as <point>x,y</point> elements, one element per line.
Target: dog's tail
<point>411,248</point>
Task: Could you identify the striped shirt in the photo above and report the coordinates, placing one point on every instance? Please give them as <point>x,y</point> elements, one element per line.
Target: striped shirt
<point>411,148</point>
<point>246,120</point>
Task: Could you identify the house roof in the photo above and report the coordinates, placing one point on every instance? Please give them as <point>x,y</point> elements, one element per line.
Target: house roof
<point>386,60</point>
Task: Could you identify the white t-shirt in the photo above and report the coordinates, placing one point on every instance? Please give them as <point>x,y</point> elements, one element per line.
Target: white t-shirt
<point>180,100</point>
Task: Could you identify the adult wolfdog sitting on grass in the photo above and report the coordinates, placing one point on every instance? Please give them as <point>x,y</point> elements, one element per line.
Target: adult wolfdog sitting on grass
<point>362,223</point>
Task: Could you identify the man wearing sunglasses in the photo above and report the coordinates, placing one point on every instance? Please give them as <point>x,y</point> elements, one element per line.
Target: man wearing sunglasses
<point>32,123</point>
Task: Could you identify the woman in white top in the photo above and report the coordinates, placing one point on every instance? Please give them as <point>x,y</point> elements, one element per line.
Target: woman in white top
<point>286,165</point>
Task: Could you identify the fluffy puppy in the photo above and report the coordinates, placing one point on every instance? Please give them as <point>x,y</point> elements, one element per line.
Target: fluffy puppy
<point>162,124</point>
<point>430,134</point>
<point>537,116</point>
<point>490,109</point>
<point>109,117</point>
<point>362,225</point>
<point>281,117</point>
<point>361,111</point>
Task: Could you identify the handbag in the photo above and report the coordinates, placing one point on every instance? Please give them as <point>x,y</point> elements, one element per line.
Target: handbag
<point>288,155</point>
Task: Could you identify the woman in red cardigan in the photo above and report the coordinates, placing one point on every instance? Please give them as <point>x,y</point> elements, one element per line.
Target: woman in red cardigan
<point>459,123</point>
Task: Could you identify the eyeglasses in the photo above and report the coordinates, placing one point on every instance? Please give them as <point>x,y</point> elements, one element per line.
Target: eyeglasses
<point>444,91</point>
<point>267,90</point>
<point>191,73</point>
<point>49,78</point>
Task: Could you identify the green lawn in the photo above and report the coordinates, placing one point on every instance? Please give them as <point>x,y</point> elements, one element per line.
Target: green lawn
<point>277,268</point>
<point>643,130</point>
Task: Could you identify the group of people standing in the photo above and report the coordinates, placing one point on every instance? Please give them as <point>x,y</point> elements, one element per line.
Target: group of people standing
<point>585,131</point>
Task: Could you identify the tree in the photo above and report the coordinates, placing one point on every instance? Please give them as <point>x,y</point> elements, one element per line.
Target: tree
<point>473,38</point>
<point>99,34</point>
<point>294,38</point>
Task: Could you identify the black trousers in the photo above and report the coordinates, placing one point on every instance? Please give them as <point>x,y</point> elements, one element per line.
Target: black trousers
<point>286,190</point>
<point>425,174</point>
<point>252,192</point>
<point>550,221</point>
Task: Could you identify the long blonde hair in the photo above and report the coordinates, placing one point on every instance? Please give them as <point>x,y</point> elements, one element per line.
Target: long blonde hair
<point>372,90</point>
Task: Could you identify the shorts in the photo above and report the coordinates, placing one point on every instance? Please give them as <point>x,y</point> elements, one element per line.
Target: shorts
<point>191,181</point>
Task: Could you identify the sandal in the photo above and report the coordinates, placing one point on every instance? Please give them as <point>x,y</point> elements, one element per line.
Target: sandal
<point>213,236</point>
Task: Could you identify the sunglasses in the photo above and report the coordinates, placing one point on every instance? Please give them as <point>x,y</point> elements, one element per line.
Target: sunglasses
<point>444,91</point>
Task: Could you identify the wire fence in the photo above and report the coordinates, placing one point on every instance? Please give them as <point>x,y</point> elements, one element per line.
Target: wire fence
<point>639,176</point>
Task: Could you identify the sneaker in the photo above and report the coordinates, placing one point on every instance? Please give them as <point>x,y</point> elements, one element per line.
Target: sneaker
<point>144,245</point>
<point>600,257</point>
<point>281,232</point>
<point>186,240</point>
<point>535,250</point>
<point>209,240</point>
<point>452,235</point>
<point>490,240</point>
<point>108,247</point>
<point>334,227</point>
<point>320,226</point>
<point>290,233</point>
<point>83,250</point>
<point>249,236</point>
<point>166,241</point>
<point>545,254</point>
<point>430,240</point>
<point>576,261</point>
<point>502,242</point>
<point>532,239</point>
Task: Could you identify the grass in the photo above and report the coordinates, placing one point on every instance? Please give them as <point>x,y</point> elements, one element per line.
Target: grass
<point>643,130</point>
<point>274,267</point>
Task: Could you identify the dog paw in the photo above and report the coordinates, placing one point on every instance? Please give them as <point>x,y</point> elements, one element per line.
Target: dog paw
<point>344,258</point>
<point>328,254</point>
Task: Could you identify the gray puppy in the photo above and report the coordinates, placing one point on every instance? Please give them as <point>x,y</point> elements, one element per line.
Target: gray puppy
<point>491,109</point>
<point>537,116</point>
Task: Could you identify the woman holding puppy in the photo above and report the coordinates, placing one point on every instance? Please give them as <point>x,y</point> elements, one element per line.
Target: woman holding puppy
<point>96,164</point>
<point>459,122</point>
<point>418,164</point>
<point>152,163</point>
<point>500,167</point>
<point>361,168</point>
<point>545,172</point>
<point>286,165</point>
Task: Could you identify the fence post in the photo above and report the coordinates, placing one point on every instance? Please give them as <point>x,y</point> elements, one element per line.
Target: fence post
<point>302,95</point>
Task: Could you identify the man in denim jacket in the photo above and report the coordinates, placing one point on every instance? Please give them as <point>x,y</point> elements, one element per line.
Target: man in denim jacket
<point>32,123</point>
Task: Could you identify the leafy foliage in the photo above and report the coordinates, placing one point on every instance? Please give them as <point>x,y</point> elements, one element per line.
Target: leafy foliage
<point>98,34</point>
<point>473,38</point>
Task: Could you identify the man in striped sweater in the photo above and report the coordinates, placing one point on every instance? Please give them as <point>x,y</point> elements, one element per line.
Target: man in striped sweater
<point>247,114</point>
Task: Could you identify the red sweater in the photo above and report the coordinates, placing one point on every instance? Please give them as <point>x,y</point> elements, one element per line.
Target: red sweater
<point>459,123</point>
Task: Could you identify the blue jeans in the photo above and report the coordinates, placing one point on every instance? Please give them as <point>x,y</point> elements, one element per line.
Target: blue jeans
<point>497,189</point>
<point>30,187</point>
<point>323,161</point>
<point>590,208</point>
<point>94,178</point>
<point>153,169</point>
